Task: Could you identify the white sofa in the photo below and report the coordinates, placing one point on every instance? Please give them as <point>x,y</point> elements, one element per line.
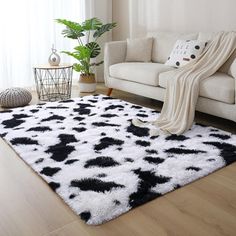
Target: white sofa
<point>217,93</point>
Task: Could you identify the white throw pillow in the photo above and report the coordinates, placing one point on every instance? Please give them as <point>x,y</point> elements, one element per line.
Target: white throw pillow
<point>185,51</point>
<point>139,49</point>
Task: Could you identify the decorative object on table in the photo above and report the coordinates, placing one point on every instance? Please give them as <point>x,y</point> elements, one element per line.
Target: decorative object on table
<point>15,97</point>
<point>101,165</point>
<point>88,48</point>
<point>53,82</point>
<point>54,59</point>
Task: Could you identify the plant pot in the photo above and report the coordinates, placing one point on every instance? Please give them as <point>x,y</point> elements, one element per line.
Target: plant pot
<point>87,83</point>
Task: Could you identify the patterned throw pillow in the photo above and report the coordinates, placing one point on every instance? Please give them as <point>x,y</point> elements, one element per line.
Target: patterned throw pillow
<point>185,51</point>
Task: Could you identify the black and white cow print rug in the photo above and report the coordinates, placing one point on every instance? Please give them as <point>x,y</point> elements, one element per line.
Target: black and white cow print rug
<point>101,165</point>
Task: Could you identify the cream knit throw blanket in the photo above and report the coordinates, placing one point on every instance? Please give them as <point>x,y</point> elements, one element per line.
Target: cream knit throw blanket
<point>182,91</point>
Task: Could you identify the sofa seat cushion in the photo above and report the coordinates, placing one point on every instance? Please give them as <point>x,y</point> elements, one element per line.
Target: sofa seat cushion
<point>143,73</point>
<point>220,86</point>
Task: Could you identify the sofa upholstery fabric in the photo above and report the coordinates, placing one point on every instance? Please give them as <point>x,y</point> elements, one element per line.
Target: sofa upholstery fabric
<point>219,87</point>
<point>139,49</point>
<point>232,69</point>
<point>143,73</point>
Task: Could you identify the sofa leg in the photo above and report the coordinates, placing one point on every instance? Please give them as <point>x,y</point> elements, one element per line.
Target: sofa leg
<point>109,91</point>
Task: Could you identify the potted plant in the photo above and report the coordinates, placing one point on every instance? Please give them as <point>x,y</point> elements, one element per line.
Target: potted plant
<point>87,35</point>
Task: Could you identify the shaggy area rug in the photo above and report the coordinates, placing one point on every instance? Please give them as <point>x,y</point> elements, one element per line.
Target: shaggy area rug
<point>101,165</point>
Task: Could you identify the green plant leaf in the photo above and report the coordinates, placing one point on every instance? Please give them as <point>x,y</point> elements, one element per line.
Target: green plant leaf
<point>83,51</point>
<point>92,24</point>
<point>104,28</point>
<point>78,67</point>
<point>70,24</point>
<point>94,48</point>
<point>73,29</point>
<point>68,33</point>
<point>75,55</point>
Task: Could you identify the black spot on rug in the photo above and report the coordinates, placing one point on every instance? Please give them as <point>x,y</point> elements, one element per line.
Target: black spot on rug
<point>143,143</point>
<point>24,141</point>
<point>95,185</point>
<point>220,136</point>
<point>138,131</point>
<point>50,171</point>
<point>60,151</point>
<point>103,124</point>
<point>56,107</point>
<point>53,117</point>
<point>154,160</point>
<point>80,129</point>
<point>147,180</point>
<point>82,111</point>
<point>67,101</point>
<point>40,129</point>
<point>175,137</point>
<point>107,142</point>
<point>101,162</point>
<point>109,115</point>
<point>54,186</point>
<point>113,107</point>
<point>183,151</point>
<point>15,121</point>
<point>85,215</point>
<point>193,168</point>
<point>69,162</point>
<point>227,151</point>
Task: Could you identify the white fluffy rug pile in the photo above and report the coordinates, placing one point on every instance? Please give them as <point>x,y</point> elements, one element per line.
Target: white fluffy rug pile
<point>101,165</point>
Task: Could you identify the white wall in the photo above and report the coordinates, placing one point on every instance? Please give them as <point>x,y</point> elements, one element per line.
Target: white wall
<point>101,9</point>
<point>120,14</point>
<point>172,15</point>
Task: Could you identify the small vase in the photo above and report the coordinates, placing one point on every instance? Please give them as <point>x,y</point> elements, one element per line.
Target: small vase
<point>54,59</point>
<point>87,83</point>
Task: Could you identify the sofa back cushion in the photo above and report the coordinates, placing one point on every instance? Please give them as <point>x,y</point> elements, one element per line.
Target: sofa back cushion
<point>139,49</point>
<point>163,43</point>
<point>206,36</point>
<point>227,66</point>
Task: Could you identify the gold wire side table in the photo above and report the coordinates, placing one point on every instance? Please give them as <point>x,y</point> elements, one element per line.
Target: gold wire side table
<point>53,82</point>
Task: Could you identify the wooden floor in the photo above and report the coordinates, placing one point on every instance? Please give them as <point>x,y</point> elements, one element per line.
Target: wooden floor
<point>28,207</point>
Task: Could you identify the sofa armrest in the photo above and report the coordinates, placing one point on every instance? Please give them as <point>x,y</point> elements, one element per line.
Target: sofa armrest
<point>114,52</point>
